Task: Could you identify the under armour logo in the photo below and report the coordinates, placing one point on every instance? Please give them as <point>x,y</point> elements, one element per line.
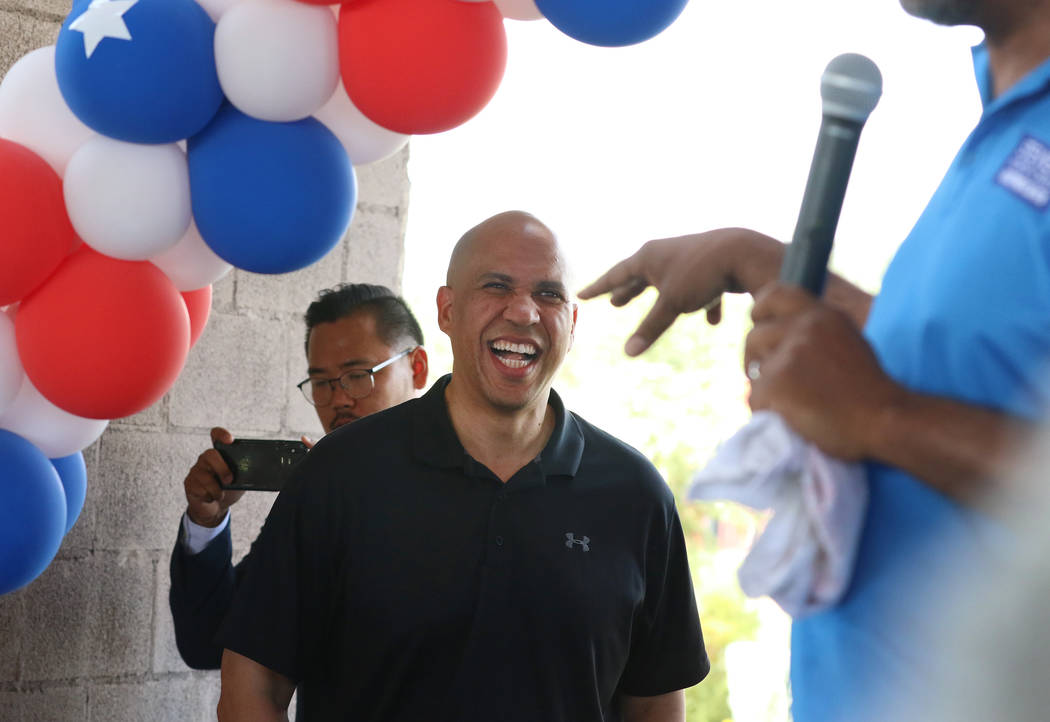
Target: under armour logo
<point>571,541</point>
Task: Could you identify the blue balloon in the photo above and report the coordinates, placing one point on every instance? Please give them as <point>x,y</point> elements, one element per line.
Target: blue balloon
<point>73,474</point>
<point>32,512</point>
<point>611,22</point>
<point>141,71</point>
<point>270,197</point>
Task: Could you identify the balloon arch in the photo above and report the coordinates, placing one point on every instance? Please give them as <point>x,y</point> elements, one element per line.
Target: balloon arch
<point>159,143</point>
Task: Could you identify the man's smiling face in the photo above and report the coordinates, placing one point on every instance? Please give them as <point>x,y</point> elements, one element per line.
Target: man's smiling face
<point>507,312</point>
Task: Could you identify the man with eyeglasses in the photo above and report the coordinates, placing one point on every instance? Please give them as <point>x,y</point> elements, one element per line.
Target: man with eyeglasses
<point>364,350</point>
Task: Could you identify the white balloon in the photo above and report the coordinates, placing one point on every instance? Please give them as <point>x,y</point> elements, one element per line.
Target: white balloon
<point>519,9</point>
<point>365,141</point>
<point>277,60</point>
<point>55,432</point>
<point>128,200</point>
<point>11,374</point>
<point>190,263</point>
<point>33,113</point>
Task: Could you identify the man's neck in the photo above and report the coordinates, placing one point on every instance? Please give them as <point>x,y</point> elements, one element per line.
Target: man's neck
<point>503,440</point>
<point>1018,43</point>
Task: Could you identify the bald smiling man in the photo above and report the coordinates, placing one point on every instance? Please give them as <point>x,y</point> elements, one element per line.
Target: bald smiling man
<point>493,556</point>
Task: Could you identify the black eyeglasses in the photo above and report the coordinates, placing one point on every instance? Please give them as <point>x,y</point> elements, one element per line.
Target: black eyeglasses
<point>357,383</point>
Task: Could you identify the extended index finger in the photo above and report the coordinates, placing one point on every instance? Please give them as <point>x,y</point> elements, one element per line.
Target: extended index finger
<point>621,278</point>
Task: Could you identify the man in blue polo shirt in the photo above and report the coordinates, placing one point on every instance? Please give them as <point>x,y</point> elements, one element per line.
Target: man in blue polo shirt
<point>937,392</point>
<point>477,554</point>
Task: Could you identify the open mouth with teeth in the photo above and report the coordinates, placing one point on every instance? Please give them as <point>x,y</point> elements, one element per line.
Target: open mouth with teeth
<point>514,355</point>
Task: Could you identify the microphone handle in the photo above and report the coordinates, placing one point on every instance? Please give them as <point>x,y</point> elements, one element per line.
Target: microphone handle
<point>806,257</point>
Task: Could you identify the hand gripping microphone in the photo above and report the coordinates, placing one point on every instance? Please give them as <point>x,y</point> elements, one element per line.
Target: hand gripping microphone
<point>850,88</point>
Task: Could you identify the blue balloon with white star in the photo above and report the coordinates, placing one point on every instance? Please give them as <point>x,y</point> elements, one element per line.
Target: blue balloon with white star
<point>270,197</point>
<point>611,22</point>
<point>141,71</point>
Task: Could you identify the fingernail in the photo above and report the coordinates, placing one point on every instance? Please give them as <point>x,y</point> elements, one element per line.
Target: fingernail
<point>635,345</point>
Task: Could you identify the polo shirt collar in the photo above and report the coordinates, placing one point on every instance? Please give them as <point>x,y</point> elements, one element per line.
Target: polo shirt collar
<point>434,439</point>
<point>1035,82</point>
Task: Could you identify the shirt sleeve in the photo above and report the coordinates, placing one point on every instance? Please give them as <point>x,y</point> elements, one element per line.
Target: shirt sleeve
<point>196,537</point>
<point>279,612</point>
<point>201,588</point>
<point>667,646</point>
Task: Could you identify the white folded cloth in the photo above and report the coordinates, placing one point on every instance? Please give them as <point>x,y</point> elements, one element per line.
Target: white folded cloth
<point>803,559</point>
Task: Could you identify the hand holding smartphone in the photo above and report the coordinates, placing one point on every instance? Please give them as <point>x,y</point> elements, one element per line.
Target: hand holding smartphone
<point>260,464</point>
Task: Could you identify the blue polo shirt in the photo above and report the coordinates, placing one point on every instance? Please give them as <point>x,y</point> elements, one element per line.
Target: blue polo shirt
<point>964,313</point>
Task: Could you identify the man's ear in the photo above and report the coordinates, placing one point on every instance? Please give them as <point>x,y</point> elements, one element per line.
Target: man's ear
<point>420,367</point>
<point>444,306</point>
<point>572,331</point>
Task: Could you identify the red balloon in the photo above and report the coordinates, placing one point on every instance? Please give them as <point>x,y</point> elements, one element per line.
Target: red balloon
<point>198,303</point>
<point>421,66</point>
<point>103,338</point>
<point>37,233</point>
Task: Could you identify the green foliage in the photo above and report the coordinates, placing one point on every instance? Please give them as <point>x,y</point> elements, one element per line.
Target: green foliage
<point>726,618</point>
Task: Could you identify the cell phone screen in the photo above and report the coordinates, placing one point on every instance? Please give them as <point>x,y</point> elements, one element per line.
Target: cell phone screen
<point>261,464</point>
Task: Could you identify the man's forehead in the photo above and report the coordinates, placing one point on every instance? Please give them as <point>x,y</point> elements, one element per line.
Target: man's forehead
<point>352,336</point>
<point>517,256</point>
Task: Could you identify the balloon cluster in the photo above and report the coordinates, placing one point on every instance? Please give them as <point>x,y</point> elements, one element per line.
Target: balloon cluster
<point>159,143</point>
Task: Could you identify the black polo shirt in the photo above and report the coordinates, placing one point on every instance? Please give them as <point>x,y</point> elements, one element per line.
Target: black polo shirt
<point>397,578</point>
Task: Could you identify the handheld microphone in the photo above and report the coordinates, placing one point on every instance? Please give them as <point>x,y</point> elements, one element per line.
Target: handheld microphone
<point>850,89</point>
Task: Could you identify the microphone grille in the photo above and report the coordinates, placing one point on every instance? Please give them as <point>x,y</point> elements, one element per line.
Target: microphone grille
<point>850,87</point>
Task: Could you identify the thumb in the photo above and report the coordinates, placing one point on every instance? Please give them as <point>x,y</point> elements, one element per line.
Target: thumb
<point>307,441</point>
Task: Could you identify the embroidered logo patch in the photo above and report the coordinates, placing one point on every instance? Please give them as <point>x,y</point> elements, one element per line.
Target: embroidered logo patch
<point>1026,172</point>
<point>572,542</point>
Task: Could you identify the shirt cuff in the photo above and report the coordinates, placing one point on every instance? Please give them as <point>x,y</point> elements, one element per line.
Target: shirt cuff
<point>196,537</point>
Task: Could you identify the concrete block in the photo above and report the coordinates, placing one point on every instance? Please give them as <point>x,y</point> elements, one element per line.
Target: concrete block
<point>173,698</point>
<point>122,609</point>
<point>301,417</point>
<point>384,183</point>
<point>54,703</point>
<point>291,292</point>
<point>230,378</point>
<point>59,618</point>
<point>53,10</point>
<point>154,417</point>
<point>11,706</point>
<point>208,687</point>
<point>165,654</point>
<point>222,292</point>
<point>376,252</point>
<point>23,32</point>
<point>11,617</point>
<point>138,495</point>
<point>88,617</point>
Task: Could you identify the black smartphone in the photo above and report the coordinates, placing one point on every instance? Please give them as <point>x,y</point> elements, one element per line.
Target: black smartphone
<point>261,464</point>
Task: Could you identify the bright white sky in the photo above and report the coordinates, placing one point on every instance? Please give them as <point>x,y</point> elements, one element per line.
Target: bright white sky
<point>712,123</point>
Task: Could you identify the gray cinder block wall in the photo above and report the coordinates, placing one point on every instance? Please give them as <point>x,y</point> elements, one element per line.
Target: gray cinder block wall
<point>91,638</point>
